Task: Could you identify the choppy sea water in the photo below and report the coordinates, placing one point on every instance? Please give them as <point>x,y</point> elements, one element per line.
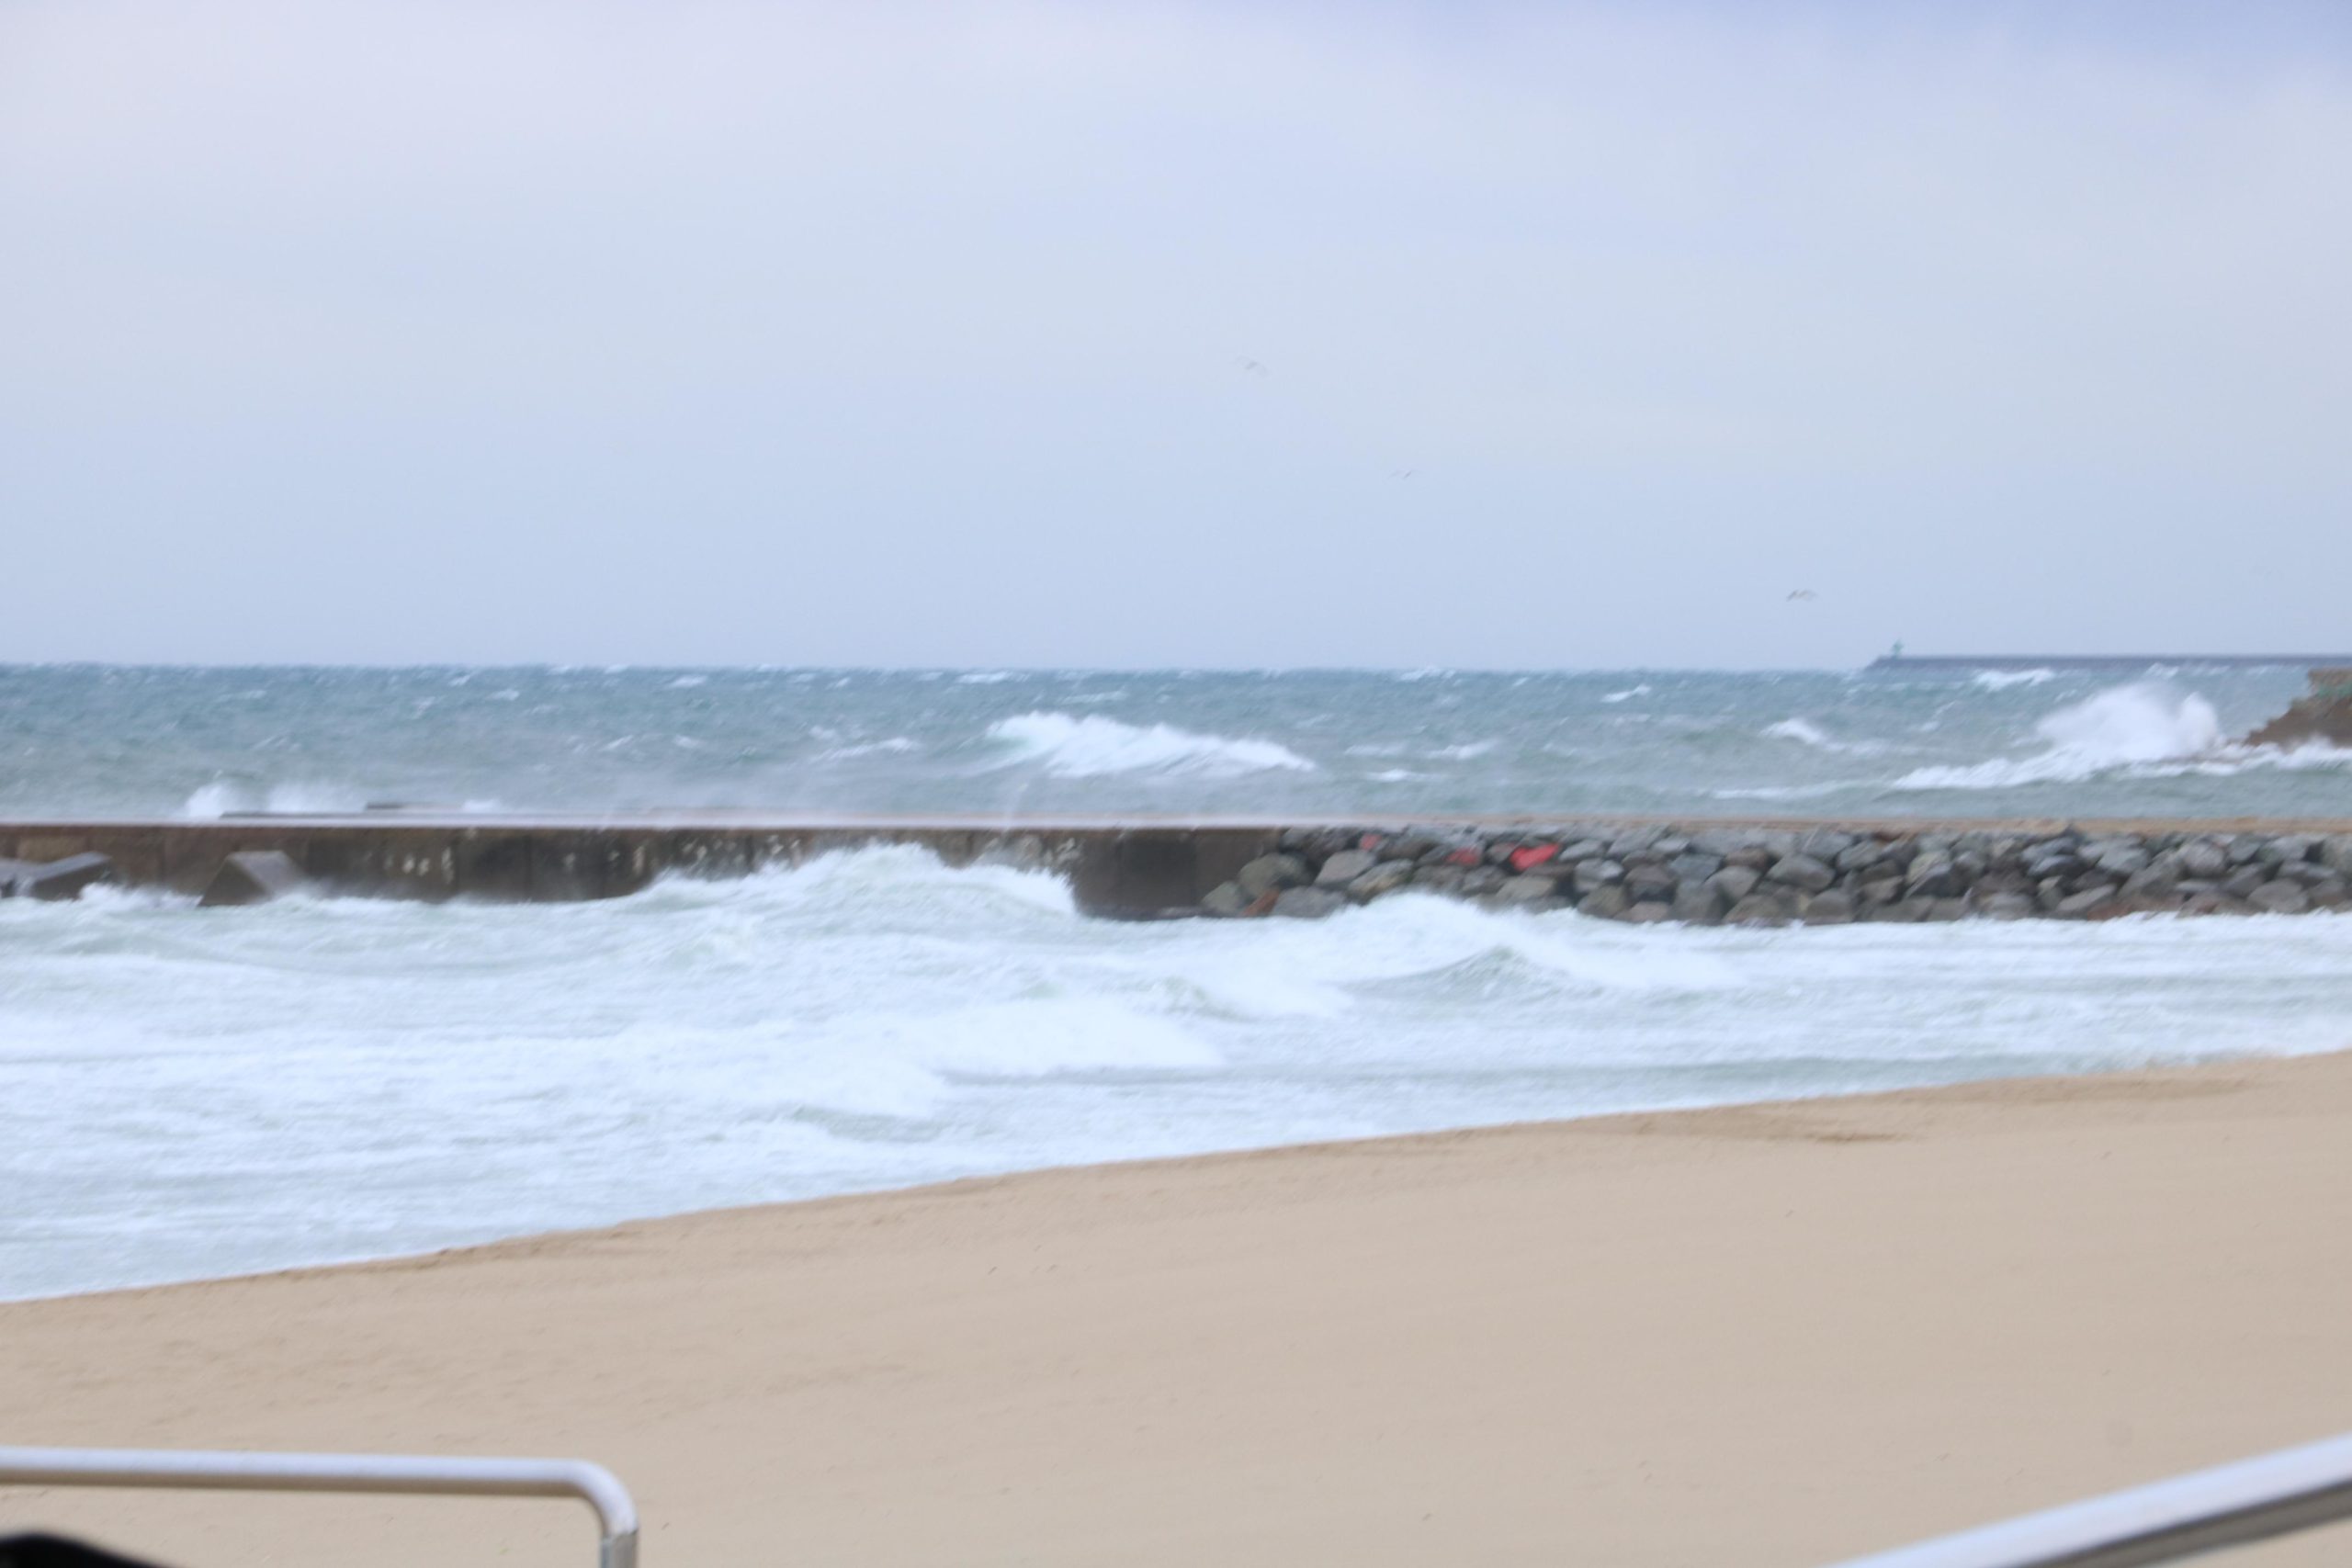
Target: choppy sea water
<point>91,740</point>
<point>188,1092</point>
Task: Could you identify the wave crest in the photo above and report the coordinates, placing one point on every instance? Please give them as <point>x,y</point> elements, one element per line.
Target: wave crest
<point>1090,744</point>
<point>2146,723</point>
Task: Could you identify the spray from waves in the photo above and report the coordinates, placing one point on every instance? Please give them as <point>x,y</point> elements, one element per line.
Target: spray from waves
<point>897,746</point>
<point>1806,732</point>
<point>2146,726</point>
<point>223,797</point>
<point>2002,680</point>
<point>1076,746</point>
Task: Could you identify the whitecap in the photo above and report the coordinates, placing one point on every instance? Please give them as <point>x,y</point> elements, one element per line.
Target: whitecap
<point>2144,728</point>
<point>2002,680</point>
<point>1628,694</point>
<point>897,745</point>
<point>1091,745</point>
<point>224,797</point>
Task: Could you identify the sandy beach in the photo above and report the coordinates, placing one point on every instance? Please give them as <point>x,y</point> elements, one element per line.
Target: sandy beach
<point>1764,1334</point>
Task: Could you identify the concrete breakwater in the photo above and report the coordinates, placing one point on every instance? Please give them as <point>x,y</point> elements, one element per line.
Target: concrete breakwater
<point>1762,871</point>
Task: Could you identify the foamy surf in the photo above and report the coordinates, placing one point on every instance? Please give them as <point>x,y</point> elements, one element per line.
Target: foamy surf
<point>1089,745</point>
<point>2129,726</point>
<point>342,1078</point>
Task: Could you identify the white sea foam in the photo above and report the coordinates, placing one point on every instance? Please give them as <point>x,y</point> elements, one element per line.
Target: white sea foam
<point>1807,733</point>
<point>1467,752</point>
<point>221,798</point>
<point>984,678</point>
<point>686,683</point>
<point>2144,726</point>
<point>2002,680</point>
<point>1802,730</point>
<point>1629,694</point>
<point>897,746</point>
<point>425,1075</point>
<point>1090,744</point>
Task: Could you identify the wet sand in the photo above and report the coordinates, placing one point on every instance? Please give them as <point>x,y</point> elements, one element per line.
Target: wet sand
<point>1766,1335</point>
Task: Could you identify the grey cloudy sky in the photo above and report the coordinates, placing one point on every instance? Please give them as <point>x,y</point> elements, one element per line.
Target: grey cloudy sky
<point>1191,335</point>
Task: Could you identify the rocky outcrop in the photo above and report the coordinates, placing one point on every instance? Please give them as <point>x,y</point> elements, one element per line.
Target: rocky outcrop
<point>2324,716</point>
<point>1705,874</point>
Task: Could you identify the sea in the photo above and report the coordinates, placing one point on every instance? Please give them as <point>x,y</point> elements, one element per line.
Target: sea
<point>189,1093</point>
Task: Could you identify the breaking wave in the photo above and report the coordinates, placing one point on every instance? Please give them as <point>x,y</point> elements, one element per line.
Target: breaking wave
<point>1090,744</point>
<point>224,797</point>
<point>2002,680</point>
<point>1806,732</point>
<point>2141,725</point>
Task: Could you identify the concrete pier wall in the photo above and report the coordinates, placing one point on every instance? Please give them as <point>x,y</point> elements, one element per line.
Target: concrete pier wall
<point>1764,870</point>
<point>1123,870</point>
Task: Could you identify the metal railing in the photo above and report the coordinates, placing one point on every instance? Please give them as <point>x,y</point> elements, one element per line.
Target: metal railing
<point>2206,1510</point>
<point>409,1474</point>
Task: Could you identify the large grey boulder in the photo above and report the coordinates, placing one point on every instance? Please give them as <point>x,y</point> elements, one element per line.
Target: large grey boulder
<point>1802,871</point>
<point>1226,901</point>
<point>1833,907</point>
<point>2241,881</point>
<point>2157,881</point>
<point>1932,875</point>
<point>2279,897</point>
<point>1650,881</point>
<point>2125,858</point>
<point>1443,879</point>
<point>1827,843</point>
<point>1697,904</point>
<point>1526,890</point>
<point>1695,865</point>
<point>1345,867</point>
<point>2076,906</point>
<point>1385,878</point>
<point>1309,903</point>
<point>1604,903</point>
<point>256,876</point>
<point>1591,874</point>
<point>1733,882</point>
<point>1860,855</point>
<point>1271,874</point>
<point>2204,860</point>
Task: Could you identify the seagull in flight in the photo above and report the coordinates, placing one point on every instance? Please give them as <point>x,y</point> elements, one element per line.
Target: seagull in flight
<point>1795,594</point>
<point>1251,367</point>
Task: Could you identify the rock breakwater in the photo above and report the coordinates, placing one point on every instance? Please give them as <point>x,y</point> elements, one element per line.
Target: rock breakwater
<point>1708,874</point>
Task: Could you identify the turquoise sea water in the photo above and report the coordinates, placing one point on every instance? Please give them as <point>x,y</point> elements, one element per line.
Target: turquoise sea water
<point>78,741</point>
<point>187,1092</point>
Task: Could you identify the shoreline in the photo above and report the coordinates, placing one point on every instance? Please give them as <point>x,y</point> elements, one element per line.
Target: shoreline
<point>1804,1326</point>
<point>947,1186</point>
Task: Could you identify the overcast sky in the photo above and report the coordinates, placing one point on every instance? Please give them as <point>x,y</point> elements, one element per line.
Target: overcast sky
<point>1192,334</point>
